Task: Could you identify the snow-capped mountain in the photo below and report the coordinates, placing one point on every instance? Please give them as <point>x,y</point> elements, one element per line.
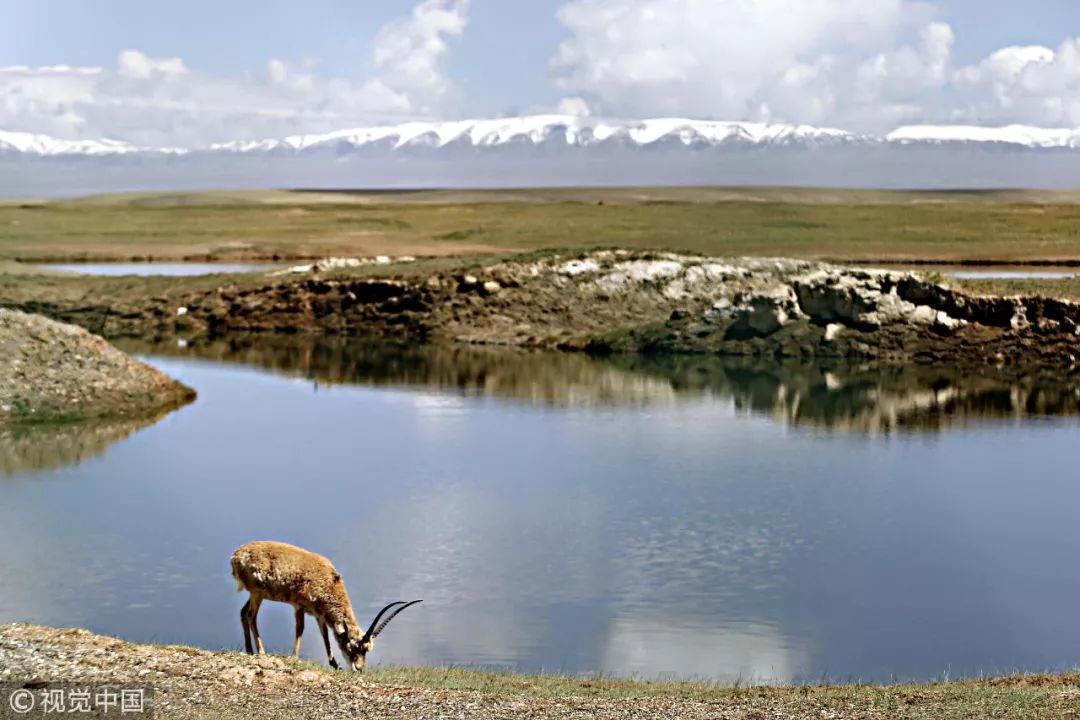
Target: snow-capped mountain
<point>35,144</point>
<point>568,131</point>
<point>545,129</point>
<point>557,150</point>
<point>1018,135</point>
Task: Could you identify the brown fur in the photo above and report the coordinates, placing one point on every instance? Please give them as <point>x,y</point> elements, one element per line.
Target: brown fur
<point>309,582</point>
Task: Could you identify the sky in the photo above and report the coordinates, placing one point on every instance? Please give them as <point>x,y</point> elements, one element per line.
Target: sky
<point>198,72</point>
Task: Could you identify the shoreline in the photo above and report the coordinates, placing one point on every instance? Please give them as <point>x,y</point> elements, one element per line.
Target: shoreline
<point>599,302</point>
<point>54,373</point>
<point>194,683</point>
<point>899,261</point>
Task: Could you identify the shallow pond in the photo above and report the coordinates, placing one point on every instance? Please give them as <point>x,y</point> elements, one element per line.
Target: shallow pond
<point>159,268</point>
<point>1009,273</point>
<point>1002,272</point>
<point>679,518</point>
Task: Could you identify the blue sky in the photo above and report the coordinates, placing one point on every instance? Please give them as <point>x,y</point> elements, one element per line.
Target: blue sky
<point>855,63</point>
<point>502,65</point>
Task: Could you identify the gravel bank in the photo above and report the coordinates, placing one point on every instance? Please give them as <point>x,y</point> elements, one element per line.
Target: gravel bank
<point>52,372</point>
<point>191,683</point>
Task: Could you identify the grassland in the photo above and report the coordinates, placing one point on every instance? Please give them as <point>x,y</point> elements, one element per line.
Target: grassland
<point>860,226</point>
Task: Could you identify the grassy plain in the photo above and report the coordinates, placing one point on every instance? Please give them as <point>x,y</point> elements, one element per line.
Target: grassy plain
<point>842,225</point>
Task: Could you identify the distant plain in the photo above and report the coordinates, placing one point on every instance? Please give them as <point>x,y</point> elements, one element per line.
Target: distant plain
<point>844,225</point>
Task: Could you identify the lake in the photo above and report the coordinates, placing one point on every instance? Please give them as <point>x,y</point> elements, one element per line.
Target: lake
<point>1013,273</point>
<point>158,268</point>
<point>961,272</point>
<point>994,272</point>
<point>678,518</point>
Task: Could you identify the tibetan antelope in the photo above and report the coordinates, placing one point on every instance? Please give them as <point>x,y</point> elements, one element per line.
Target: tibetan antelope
<point>310,583</point>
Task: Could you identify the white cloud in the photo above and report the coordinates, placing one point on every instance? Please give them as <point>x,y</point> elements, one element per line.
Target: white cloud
<point>867,65</point>
<point>408,52</point>
<point>860,64</point>
<point>1033,84</point>
<point>573,106</point>
<point>160,101</point>
<point>133,63</point>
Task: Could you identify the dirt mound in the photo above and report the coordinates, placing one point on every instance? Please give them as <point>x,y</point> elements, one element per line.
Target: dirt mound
<point>52,372</point>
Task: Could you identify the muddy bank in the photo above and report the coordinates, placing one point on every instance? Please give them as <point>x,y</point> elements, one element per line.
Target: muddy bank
<point>53,372</point>
<point>191,683</point>
<point>623,302</point>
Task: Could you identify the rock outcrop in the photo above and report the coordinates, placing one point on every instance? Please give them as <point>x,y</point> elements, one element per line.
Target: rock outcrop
<point>619,301</point>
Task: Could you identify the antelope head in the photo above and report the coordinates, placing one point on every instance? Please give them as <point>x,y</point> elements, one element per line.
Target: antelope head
<point>356,649</point>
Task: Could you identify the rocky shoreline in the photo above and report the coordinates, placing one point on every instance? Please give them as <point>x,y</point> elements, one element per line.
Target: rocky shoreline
<point>51,372</point>
<point>625,302</point>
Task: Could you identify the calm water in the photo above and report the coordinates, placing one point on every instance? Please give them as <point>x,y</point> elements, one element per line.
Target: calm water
<point>1003,272</point>
<point>159,268</point>
<point>1013,274</point>
<point>679,518</point>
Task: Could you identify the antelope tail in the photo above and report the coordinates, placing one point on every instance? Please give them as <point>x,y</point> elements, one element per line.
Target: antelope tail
<point>236,577</point>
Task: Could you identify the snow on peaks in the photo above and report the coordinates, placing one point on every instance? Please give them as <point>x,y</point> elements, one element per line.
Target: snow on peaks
<point>1025,135</point>
<point>568,130</point>
<point>37,144</point>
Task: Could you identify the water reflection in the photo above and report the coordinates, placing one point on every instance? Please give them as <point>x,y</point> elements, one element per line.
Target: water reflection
<point>874,398</point>
<point>533,377</point>
<point>837,396</point>
<point>25,448</point>
<point>749,653</point>
<point>689,535</point>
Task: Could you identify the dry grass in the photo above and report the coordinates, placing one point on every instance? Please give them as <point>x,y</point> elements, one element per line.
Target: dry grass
<point>191,683</point>
<point>829,224</point>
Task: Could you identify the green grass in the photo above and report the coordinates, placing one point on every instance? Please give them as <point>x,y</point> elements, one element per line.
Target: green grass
<point>845,225</point>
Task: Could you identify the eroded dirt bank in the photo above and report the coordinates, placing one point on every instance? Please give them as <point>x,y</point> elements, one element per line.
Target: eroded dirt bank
<point>618,301</point>
<point>51,371</point>
<point>191,683</point>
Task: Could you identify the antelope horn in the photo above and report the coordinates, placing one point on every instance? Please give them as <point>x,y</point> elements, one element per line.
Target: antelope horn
<point>371,628</point>
<point>390,617</point>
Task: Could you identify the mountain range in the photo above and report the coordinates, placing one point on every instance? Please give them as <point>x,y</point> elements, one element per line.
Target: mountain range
<point>557,150</point>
